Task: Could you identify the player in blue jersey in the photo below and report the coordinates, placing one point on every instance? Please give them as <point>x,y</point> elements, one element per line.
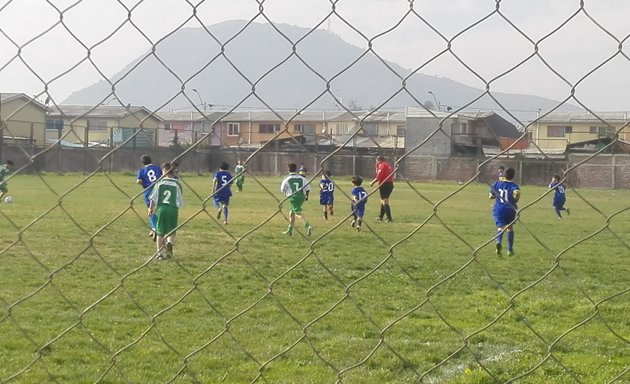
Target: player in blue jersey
<point>359,199</point>
<point>505,194</point>
<point>146,178</point>
<point>326,194</point>
<point>559,197</point>
<point>221,191</point>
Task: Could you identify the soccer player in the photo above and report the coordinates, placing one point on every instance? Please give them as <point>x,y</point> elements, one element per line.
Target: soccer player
<point>4,171</point>
<point>296,188</point>
<point>326,194</point>
<point>239,173</point>
<point>147,176</point>
<point>505,194</point>
<point>385,179</point>
<point>221,191</point>
<point>359,199</point>
<point>164,203</point>
<point>559,197</point>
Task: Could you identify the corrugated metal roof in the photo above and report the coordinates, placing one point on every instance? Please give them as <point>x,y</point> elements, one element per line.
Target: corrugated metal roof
<point>371,116</point>
<point>583,116</point>
<point>189,115</point>
<point>10,96</point>
<point>100,111</point>
<point>423,113</point>
<point>266,115</point>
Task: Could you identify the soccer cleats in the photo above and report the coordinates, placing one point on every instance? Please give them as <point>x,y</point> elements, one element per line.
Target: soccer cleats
<point>499,246</point>
<point>309,230</point>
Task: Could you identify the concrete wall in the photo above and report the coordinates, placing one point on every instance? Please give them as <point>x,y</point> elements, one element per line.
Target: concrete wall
<point>602,171</point>
<point>419,129</point>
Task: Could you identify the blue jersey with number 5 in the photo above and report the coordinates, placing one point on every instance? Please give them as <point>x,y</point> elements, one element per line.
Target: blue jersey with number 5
<point>223,180</point>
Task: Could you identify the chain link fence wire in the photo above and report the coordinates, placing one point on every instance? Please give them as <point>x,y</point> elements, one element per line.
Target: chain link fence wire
<point>203,324</point>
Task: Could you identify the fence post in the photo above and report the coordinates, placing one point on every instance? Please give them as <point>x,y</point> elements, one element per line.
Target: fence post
<point>613,164</point>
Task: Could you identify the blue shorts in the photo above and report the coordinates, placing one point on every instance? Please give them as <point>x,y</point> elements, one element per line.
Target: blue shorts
<point>146,197</point>
<point>504,217</point>
<point>358,210</point>
<point>326,199</point>
<point>225,200</point>
<point>559,203</point>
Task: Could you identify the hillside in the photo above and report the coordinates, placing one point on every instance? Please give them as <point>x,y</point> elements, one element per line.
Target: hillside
<point>257,67</point>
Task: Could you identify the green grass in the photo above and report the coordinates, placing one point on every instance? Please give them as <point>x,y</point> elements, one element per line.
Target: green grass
<point>424,297</point>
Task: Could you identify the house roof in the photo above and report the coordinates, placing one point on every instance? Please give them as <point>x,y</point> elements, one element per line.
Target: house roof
<point>501,127</point>
<point>497,124</point>
<point>189,115</point>
<point>10,96</point>
<point>372,116</point>
<point>584,116</point>
<point>468,115</point>
<point>294,116</point>
<point>100,111</point>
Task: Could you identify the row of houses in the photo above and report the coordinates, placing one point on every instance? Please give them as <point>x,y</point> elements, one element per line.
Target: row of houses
<point>30,122</point>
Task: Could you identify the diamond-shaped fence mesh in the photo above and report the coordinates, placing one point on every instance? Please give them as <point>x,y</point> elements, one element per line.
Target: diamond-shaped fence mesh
<point>422,296</point>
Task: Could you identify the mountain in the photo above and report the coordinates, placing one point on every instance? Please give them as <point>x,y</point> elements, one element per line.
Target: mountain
<point>236,63</point>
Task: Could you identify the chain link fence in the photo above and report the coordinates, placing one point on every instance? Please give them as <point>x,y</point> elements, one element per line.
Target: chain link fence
<point>64,271</point>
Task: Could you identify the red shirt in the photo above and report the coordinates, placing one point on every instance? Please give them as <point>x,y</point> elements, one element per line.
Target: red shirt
<point>384,173</point>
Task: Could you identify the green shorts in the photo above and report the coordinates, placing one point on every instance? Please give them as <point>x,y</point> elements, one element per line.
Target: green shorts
<point>165,219</point>
<point>296,203</point>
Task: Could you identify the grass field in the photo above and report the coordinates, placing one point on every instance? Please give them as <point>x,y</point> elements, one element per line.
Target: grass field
<point>423,299</point>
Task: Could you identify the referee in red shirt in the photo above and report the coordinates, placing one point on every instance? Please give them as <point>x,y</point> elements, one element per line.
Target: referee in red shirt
<point>385,179</point>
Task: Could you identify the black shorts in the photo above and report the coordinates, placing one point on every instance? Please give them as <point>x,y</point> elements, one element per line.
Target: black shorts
<point>385,189</point>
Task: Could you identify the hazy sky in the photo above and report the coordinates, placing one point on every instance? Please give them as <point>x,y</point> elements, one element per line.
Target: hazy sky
<point>579,45</point>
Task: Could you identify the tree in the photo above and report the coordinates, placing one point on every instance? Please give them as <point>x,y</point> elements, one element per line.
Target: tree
<point>429,105</point>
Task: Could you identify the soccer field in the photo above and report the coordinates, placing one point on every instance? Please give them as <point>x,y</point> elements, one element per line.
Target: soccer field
<point>423,299</point>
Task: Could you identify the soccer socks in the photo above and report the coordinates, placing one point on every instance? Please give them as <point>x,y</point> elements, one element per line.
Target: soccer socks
<point>510,240</point>
<point>388,211</point>
<point>382,212</point>
<point>499,236</point>
<point>225,213</point>
<point>325,214</point>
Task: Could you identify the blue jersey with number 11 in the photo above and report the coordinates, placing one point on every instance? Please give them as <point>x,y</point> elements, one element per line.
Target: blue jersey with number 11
<point>506,194</point>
